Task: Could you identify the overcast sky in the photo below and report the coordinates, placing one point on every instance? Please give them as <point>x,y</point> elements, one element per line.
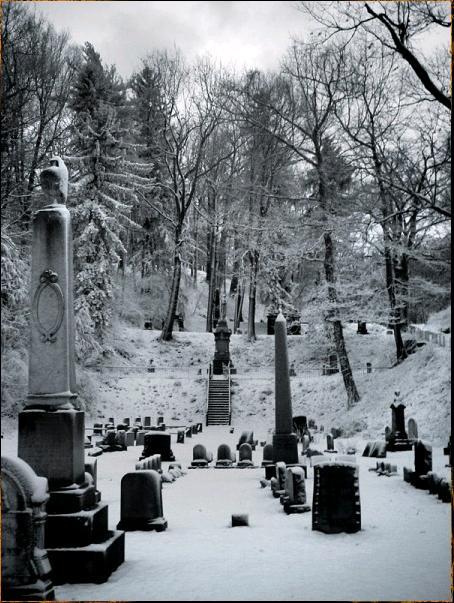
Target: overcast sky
<point>251,34</point>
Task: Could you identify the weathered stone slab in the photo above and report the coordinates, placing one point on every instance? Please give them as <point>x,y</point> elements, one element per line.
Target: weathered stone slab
<point>336,502</point>
<point>141,502</point>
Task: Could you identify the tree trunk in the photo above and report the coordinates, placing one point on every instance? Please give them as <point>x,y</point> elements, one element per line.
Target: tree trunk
<point>236,268</point>
<point>167,330</point>
<point>211,283</point>
<point>195,257</point>
<point>401,352</point>
<point>253,258</point>
<point>338,335</point>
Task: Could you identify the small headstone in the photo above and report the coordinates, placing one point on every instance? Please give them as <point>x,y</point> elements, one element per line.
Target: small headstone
<point>130,438</point>
<point>225,458</point>
<point>375,449</point>
<point>280,476</point>
<point>245,456</point>
<point>264,483</point>
<point>336,502</point>
<point>26,571</point>
<point>329,443</point>
<point>147,422</point>
<point>158,443</point>
<point>199,427</point>
<point>97,429</point>
<point>294,499</point>
<point>140,437</point>
<point>306,443</point>
<point>141,502</point>
<point>412,429</point>
<point>200,457</point>
<point>267,455</point>
<point>423,461</point>
<point>180,436</point>
<point>444,491</point>
<point>247,437</point>
<point>188,432</point>
<point>240,519</point>
<point>127,421</point>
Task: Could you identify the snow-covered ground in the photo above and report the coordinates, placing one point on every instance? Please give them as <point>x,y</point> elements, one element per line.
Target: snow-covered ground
<point>401,553</point>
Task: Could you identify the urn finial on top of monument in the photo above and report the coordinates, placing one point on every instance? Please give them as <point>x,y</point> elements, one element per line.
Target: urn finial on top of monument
<point>54,181</point>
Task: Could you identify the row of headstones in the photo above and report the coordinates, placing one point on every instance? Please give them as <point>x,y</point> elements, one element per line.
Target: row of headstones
<point>336,503</point>
<point>225,458</point>
<point>423,477</point>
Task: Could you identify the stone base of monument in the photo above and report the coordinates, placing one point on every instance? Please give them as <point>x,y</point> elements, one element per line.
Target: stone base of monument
<point>77,529</point>
<point>158,524</point>
<point>331,451</point>
<point>224,464</point>
<point>52,443</point>
<point>289,509</point>
<point>38,591</point>
<point>92,563</point>
<point>246,465</point>
<point>285,448</point>
<point>399,445</point>
<point>79,545</point>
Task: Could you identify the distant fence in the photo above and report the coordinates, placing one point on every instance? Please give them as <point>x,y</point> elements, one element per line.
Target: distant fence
<point>442,339</point>
<point>246,372</point>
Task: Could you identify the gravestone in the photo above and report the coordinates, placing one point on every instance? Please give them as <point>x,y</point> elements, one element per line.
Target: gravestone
<point>375,449</point>
<point>126,422</point>
<point>300,426</point>
<point>398,439</point>
<point>245,456</point>
<point>112,441</point>
<point>240,520</point>
<point>294,499</point>
<point>26,571</point>
<point>285,447</point>
<point>146,422</point>
<point>412,429</point>
<point>141,502</point>
<point>278,486</point>
<point>52,408</point>
<point>199,427</point>
<point>140,437</point>
<point>267,455</point>
<point>130,438</point>
<point>97,429</point>
<point>362,328</point>
<point>336,502</point>
<point>194,429</point>
<point>448,451</point>
<point>188,432</point>
<point>423,463</point>
<point>330,443</point>
<point>200,457</point>
<point>225,457</point>
<point>157,443</point>
<point>306,443</point>
<point>247,437</point>
<point>180,436</point>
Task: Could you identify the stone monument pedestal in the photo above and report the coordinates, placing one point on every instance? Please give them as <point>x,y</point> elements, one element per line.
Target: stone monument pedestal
<point>79,545</point>
<point>285,448</point>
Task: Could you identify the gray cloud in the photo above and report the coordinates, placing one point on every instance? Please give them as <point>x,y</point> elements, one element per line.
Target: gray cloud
<point>252,34</point>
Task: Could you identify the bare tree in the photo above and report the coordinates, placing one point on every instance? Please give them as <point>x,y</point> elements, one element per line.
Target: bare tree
<point>396,25</point>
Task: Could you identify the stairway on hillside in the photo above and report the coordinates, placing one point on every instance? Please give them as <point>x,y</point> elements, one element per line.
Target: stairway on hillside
<point>218,401</point>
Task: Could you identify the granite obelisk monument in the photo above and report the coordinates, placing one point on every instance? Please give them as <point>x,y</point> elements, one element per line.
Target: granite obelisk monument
<point>284,440</point>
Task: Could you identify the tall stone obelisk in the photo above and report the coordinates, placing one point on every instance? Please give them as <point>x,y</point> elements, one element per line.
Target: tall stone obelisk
<point>51,427</point>
<point>284,440</point>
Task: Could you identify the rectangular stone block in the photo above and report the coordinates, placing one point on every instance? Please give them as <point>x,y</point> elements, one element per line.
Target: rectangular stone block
<point>77,529</point>
<point>92,563</point>
<point>52,443</point>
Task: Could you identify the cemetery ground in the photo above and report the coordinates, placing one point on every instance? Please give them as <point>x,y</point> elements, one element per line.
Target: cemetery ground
<point>403,551</point>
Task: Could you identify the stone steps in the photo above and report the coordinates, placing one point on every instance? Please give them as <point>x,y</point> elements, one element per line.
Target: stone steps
<point>218,402</point>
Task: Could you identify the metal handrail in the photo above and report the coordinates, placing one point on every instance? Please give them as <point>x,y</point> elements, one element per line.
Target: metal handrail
<point>230,406</point>
<point>210,369</point>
